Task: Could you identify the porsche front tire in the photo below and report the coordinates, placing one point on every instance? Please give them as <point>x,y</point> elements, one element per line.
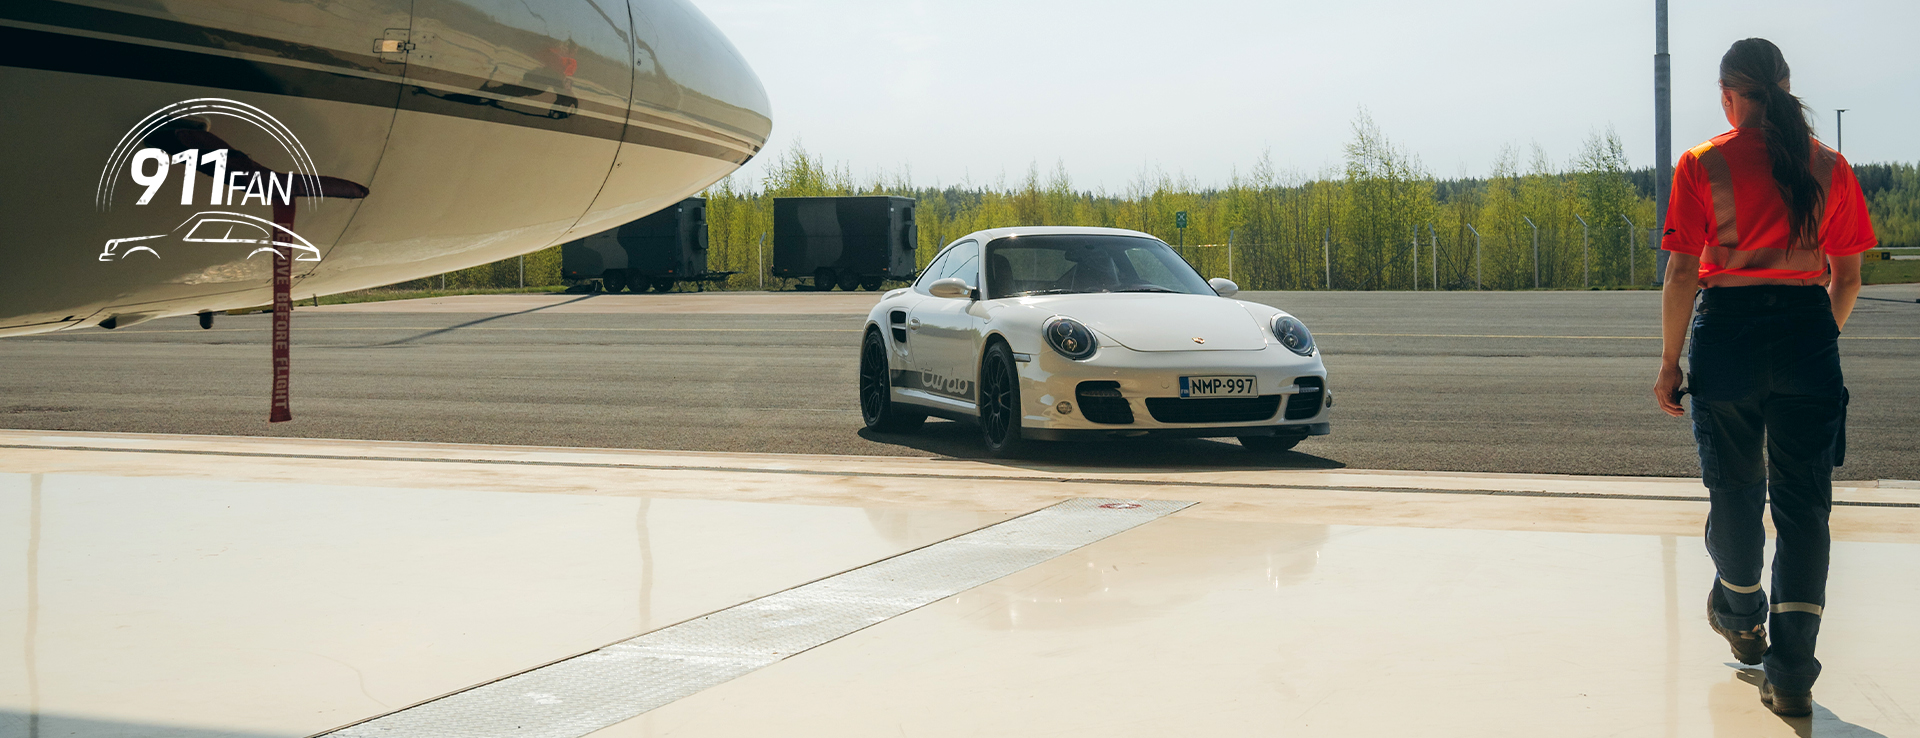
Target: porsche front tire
<point>1000,404</point>
<point>876,398</point>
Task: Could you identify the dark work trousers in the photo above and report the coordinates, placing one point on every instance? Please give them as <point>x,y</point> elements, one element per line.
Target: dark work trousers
<point>1764,372</point>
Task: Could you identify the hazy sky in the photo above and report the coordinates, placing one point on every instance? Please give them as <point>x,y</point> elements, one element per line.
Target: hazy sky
<point>973,90</point>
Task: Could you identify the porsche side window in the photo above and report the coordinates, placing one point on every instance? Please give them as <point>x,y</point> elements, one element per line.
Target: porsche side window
<point>942,265</point>
<point>932,272</point>
<point>965,264</point>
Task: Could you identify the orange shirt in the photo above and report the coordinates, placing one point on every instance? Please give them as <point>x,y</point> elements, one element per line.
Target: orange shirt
<point>1726,209</point>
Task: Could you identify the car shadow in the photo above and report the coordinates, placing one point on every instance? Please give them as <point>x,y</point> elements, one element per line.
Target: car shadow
<point>959,440</point>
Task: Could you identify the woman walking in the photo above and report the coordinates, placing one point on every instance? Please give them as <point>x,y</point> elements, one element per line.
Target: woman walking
<point>1771,224</point>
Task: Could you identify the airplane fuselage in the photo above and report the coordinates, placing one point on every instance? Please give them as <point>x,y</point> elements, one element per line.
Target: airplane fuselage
<point>397,138</point>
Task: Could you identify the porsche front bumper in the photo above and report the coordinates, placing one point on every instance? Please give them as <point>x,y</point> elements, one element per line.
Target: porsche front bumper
<point>1052,394</point>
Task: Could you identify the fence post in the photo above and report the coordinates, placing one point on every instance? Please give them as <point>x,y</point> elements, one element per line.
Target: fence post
<point>1229,254</point>
<point>1415,262</point>
<point>760,260</point>
<point>1326,252</point>
<point>1478,274</point>
<point>523,271</point>
<point>1632,256</point>
<point>1586,271</point>
<point>1653,237</point>
<point>1536,251</point>
<point>1435,248</point>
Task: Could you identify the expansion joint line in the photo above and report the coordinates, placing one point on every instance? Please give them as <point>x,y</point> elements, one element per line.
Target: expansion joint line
<point>1175,483</point>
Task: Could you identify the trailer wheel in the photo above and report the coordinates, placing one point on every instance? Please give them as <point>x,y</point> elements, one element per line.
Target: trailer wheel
<point>849,282</point>
<point>663,284</point>
<point>823,279</point>
<point>612,280</point>
<point>871,284</point>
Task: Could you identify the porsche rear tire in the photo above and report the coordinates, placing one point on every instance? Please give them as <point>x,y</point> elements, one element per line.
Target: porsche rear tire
<point>876,398</point>
<point>1270,444</point>
<point>1000,404</point>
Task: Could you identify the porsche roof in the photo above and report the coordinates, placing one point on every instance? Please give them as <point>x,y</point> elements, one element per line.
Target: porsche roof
<point>993,233</point>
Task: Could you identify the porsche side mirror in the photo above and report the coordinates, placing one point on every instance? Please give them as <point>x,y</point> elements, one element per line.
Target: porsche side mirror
<point>951,287</point>
<point>1225,287</point>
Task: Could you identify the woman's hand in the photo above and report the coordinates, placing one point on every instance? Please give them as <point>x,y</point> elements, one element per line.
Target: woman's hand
<point>1666,389</point>
<point>1676,309</point>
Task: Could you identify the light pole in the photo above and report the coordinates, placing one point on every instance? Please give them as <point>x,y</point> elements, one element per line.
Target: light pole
<point>1631,257</point>
<point>1586,271</point>
<point>1478,275</point>
<point>1662,129</point>
<point>1536,251</point>
<point>1839,131</point>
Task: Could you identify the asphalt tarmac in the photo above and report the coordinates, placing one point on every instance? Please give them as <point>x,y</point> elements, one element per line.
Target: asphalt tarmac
<point>1546,382</point>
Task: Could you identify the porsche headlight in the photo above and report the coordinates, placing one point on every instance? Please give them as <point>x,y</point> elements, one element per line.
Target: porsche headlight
<point>1069,338</point>
<point>1293,334</point>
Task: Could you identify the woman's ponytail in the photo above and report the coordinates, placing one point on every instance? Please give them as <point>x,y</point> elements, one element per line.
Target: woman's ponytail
<point>1755,69</point>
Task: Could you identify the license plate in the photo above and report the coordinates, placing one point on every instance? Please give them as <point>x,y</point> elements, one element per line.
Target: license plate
<point>1217,387</point>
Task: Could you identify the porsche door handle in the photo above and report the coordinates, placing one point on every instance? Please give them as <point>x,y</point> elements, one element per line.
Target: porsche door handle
<point>913,325</point>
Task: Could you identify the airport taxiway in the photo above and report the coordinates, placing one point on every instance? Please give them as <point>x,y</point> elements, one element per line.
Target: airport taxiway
<point>224,587</point>
<point>1546,382</point>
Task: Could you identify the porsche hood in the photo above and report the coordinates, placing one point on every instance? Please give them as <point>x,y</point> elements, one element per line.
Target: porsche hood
<point>1162,322</point>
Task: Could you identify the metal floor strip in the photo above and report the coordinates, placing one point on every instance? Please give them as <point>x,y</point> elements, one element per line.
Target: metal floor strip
<point>591,691</point>
<point>1699,498</point>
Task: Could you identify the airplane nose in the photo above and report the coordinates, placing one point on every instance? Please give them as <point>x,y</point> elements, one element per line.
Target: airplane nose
<point>702,72</point>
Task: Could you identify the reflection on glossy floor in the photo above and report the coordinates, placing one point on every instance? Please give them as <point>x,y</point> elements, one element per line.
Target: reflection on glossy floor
<point>1198,627</point>
<point>288,609</point>
<point>196,587</point>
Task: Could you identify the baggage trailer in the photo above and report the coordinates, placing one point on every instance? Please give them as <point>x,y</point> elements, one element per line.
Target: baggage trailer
<point>658,251</point>
<point>845,242</point>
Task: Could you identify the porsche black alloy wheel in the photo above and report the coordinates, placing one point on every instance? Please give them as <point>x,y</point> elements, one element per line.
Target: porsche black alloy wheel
<point>1000,403</point>
<point>876,403</point>
<point>1270,444</point>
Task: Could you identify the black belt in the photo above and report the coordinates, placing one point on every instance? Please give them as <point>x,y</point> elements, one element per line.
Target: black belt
<point>1764,298</point>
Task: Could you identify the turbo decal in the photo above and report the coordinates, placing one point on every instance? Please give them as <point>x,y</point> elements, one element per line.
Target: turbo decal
<point>932,382</point>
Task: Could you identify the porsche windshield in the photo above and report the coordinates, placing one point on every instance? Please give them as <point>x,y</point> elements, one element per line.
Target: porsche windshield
<point>1071,264</point>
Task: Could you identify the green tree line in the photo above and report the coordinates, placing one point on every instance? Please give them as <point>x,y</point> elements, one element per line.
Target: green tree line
<point>1382,221</point>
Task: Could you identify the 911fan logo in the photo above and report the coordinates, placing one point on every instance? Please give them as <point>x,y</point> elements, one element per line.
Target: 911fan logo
<point>179,134</point>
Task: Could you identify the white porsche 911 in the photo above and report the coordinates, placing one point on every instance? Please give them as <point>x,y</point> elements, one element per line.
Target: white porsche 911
<point>1065,333</point>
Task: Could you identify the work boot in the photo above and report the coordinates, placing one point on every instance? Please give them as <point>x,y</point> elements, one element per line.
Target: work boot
<point>1748,645</point>
<point>1784,703</point>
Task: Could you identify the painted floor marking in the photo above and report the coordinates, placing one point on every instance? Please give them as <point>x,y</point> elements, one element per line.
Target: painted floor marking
<point>579,695</point>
